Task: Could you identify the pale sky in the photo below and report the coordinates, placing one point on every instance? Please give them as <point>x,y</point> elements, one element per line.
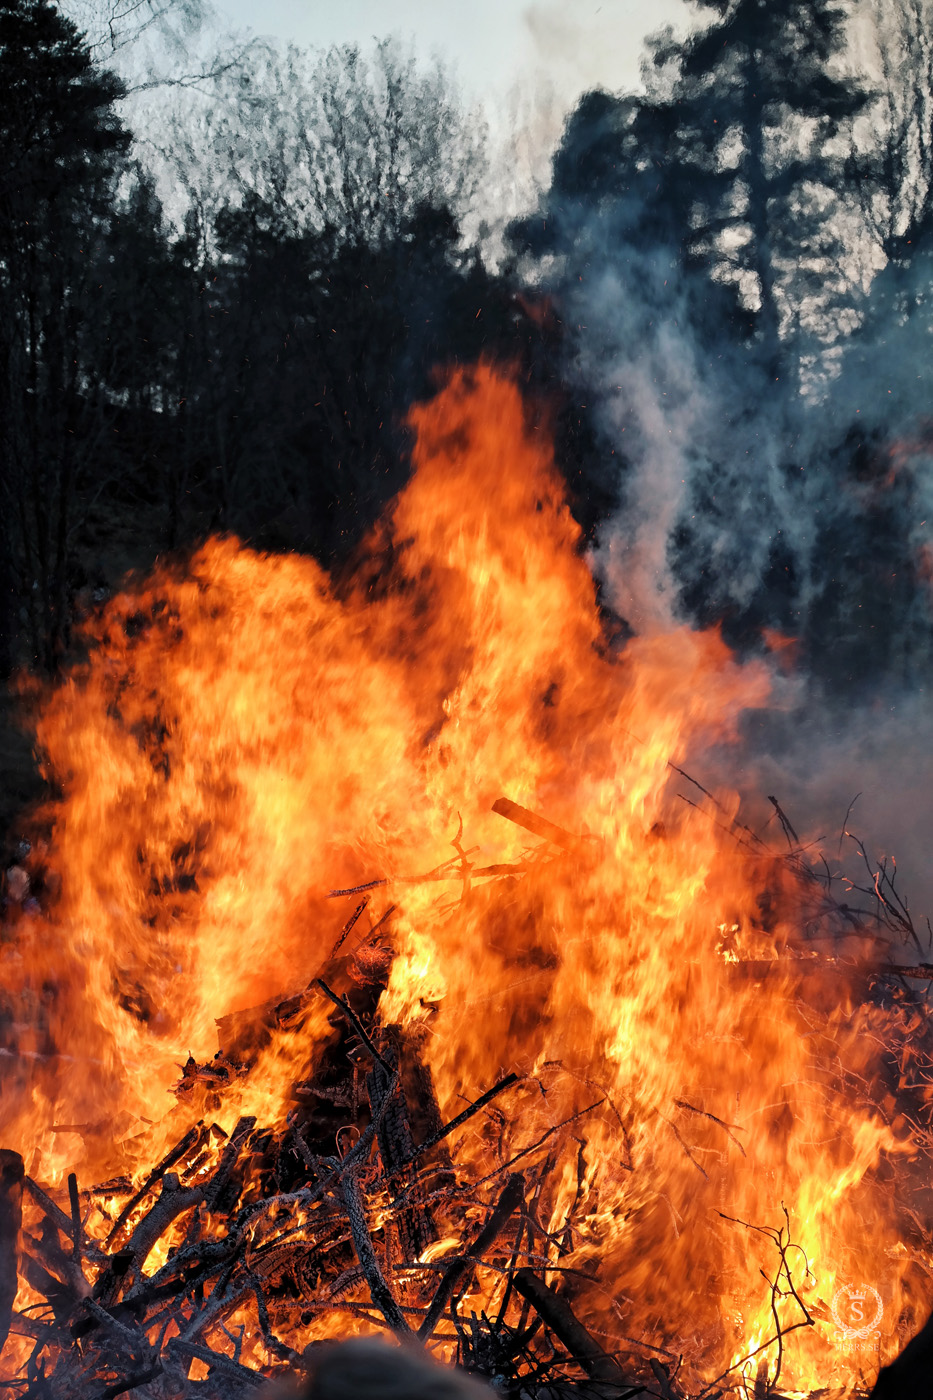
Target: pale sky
<point>494,44</point>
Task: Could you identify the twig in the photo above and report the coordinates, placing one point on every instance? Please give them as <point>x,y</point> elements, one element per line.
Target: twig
<point>349,926</point>
<point>467,1114</point>
<point>464,868</point>
<point>491,1176</point>
<point>788,830</point>
<point>682,1103</point>
<point>368,937</point>
<point>689,1154</point>
<point>358,889</point>
<point>783,1246</point>
<point>845,821</point>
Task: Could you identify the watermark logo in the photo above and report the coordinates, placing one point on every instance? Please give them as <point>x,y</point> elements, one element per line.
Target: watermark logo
<point>857,1310</point>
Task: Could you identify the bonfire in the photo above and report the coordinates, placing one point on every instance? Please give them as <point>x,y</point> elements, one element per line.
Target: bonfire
<point>379,968</point>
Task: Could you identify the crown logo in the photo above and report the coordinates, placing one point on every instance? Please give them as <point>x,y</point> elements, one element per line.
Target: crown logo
<point>863,1310</point>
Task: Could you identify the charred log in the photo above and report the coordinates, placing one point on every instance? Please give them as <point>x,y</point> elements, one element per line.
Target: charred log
<point>12,1173</point>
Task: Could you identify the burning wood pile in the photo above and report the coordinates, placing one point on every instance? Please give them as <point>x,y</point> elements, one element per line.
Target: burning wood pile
<point>355,1211</point>
<point>354,1206</point>
<point>615,1100</point>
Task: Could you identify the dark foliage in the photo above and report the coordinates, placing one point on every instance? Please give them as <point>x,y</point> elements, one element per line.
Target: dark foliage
<point>60,148</point>
<point>247,374</point>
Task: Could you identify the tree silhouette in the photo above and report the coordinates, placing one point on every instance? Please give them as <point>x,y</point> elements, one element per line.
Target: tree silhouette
<point>61,143</point>
<point>764,107</point>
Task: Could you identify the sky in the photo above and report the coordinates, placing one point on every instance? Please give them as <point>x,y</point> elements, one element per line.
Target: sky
<point>495,45</point>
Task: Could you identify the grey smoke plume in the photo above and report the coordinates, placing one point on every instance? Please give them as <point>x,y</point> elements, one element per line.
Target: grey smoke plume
<point>789,493</point>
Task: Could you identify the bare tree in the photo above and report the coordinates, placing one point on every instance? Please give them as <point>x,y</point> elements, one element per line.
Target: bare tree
<point>111,27</point>
<point>155,44</point>
<point>341,143</point>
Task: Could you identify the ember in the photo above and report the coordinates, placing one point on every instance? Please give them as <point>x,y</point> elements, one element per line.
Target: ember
<point>478,1032</point>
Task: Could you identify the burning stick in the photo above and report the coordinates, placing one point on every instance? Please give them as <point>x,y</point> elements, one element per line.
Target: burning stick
<point>349,925</point>
<point>215,1361</point>
<point>75,1204</point>
<point>921,972</point>
<point>12,1172</point>
<point>90,1249</point>
<point>130,1382</point>
<point>169,1160</point>
<point>540,826</point>
<point>466,1115</point>
<point>173,1202</point>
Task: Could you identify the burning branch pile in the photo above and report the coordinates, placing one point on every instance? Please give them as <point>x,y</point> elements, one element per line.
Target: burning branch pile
<point>243,1238</point>
<point>599,1104</point>
<point>354,1211</point>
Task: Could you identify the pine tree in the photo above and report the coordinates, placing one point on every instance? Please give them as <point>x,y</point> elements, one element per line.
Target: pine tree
<point>762,103</point>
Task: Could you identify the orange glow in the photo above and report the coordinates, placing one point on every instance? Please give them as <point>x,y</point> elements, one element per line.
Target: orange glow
<point>247,736</point>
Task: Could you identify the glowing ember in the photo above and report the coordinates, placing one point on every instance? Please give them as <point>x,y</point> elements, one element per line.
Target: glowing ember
<point>246,737</point>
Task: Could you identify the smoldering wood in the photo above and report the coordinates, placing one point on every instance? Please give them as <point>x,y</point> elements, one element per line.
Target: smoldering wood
<point>90,1248</point>
<point>12,1174</point>
<point>215,1360</point>
<point>231,1152</point>
<point>174,1200</point>
<point>379,1290</point>
<point>75,1203</point>
<point>128,1305</point>
<point>47,1249</point>
<point>396,1147</point>
<point>171,1157</point>
<point>131,1382</point>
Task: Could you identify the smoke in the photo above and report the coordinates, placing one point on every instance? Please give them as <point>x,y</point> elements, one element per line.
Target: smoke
<point>711,520</point>
<point>846,776</point>
<point>796,503</point>
<point>696,468</point>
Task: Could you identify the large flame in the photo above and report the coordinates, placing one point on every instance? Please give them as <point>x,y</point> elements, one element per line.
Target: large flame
<point>245,737</point>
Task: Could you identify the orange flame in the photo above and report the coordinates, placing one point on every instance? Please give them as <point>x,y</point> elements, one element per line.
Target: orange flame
<point>244,737</point>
